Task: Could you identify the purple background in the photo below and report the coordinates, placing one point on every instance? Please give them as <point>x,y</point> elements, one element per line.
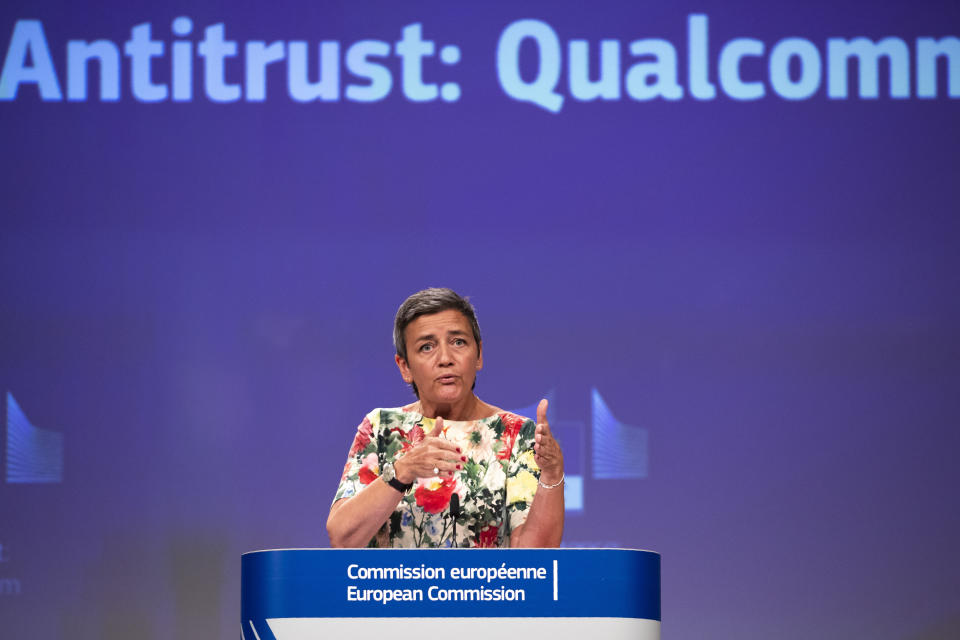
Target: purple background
<point>200,296</point>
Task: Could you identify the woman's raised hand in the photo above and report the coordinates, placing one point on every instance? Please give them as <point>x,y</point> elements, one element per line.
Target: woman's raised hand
<point>546,449</point>
<point>431,457</point>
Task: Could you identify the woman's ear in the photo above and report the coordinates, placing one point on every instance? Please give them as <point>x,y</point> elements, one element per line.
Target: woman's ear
<point>404,369</point>
<point>479,356</point>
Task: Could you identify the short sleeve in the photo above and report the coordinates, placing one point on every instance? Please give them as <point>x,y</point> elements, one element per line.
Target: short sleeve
<point>363,464</point>
<point>522,475</point>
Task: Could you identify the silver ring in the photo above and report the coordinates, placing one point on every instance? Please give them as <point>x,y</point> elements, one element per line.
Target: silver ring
<point>436,471</point>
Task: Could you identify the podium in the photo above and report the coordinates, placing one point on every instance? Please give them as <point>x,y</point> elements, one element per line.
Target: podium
<point>466,594</point>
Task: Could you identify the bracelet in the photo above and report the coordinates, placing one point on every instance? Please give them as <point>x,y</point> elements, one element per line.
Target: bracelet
<point>552,486</point>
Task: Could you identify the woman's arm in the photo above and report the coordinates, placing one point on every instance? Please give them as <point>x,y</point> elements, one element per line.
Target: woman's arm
<point>544,524</point>
<point>354,521</point>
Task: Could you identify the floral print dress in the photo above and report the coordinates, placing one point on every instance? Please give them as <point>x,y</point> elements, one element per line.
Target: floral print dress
<point>496,485</point>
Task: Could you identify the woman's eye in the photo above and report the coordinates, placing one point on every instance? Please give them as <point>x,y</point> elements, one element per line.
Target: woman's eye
<point>425,348</point>
<point>460,342</point>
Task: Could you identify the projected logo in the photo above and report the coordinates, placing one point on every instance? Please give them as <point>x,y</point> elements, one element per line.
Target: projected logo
<point>34,456</point>
<point>8,586</point>
<point>619,451</point>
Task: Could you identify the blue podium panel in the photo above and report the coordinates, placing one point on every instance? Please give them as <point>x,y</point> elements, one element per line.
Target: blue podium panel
<point>405,593</point>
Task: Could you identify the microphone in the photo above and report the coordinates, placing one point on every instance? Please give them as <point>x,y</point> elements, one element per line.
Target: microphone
<point>455,513</point>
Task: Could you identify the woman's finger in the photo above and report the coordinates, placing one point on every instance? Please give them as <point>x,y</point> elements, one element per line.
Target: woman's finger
<point>544,429</point>
<point>542,412</point>
<point>431,460</point>
<point>440,443</point>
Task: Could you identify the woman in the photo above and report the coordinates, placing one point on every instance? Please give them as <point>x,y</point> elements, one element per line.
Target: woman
<point>449,469</point>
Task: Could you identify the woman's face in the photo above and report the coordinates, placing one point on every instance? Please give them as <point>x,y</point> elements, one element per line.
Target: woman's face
<point>442,357</point>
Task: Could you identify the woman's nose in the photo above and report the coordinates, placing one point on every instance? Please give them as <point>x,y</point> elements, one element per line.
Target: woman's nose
<point>444,354</point>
